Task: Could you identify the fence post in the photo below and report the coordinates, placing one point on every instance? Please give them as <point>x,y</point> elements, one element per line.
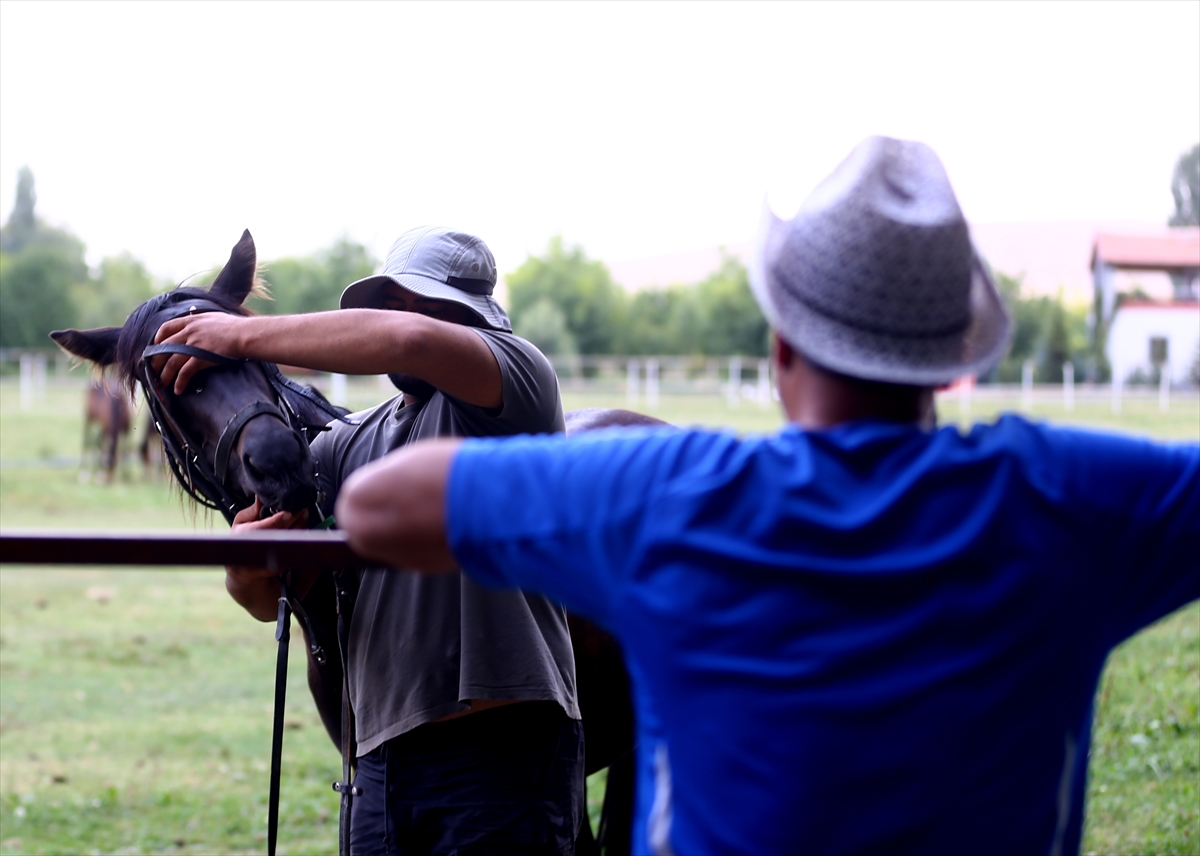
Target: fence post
<point>1027,386</point>
<point>632,370</point>
<point>1116,391</point>
<point>337,389</point>
<point>26,381</point>
<point>1164,388</point>
<point>652,384</point>
<point>764,382</point>
<point>1068,387</point>
<point>735,380</point>
<point>39,376</point>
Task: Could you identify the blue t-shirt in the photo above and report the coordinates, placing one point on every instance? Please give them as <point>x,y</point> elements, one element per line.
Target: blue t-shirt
<point>872,639</point>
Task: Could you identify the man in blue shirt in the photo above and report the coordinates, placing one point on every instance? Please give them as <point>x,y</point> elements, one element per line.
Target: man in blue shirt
<point>860,635</point>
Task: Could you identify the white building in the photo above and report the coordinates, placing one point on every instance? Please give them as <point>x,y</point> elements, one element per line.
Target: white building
<point>1146,336</point>
<point>1146,332</point>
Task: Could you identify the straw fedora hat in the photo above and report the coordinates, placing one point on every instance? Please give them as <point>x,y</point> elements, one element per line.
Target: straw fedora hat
<point>876,277</point>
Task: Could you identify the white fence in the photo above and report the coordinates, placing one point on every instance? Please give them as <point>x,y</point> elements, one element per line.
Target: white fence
<point>642,380</point>
<point>33,367</point>
<point>740,379</point>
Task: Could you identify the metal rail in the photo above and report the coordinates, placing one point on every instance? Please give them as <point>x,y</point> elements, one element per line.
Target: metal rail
<point>295,550</point>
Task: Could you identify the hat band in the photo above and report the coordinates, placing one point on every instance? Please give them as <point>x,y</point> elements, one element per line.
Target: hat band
<point>481,287</point>
<point>949,330</point>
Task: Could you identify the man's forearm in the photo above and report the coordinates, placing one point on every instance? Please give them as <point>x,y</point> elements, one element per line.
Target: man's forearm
<point>257,590</point>
<point>258,595</point>
<point>449,356</point>
<point>393,509</point>
<point>348,341</point>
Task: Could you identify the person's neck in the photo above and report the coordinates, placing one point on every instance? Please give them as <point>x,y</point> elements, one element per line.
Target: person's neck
<point>817,399</point>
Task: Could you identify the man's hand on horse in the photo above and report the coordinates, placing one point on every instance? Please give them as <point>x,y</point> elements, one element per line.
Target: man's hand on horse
<point>212,331</point>
<point>248,519</point>
<point>257,589</point>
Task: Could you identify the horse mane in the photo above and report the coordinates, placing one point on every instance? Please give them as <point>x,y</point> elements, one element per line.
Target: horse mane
<point>260,287</point>
<point>143,324</point>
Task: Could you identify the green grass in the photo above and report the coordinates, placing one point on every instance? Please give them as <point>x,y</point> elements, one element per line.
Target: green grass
<point>42,484</point>
<point>1137,416</point>
<point>135,706</point>
<point>136,719</point>
<point>1144,782</point>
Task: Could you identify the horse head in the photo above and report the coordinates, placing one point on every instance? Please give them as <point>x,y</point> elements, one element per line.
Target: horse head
<point>241,429</point>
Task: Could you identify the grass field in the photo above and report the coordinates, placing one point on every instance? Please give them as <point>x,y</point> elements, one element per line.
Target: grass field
<point>135,706</point>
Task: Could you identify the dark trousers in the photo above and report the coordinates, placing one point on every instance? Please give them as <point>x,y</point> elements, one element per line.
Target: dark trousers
<point>503,781</point>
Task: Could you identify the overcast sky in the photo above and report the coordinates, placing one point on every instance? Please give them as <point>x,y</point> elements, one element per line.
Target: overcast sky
<point>633,129</point>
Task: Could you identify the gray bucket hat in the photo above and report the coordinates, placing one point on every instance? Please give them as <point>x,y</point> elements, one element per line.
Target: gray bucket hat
<point>440,264</point>
<point>876,277</point>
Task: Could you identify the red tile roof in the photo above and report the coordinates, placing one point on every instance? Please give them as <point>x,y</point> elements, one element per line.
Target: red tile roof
<point>1139,303</point>
<point>1172,249</point>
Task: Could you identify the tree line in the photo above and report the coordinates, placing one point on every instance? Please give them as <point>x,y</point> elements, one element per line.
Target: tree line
<point>45,283</point>
<point>563,301</point>
<point>568,304</point>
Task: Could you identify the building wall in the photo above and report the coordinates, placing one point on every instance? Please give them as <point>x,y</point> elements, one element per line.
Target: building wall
<point>1135,324</point>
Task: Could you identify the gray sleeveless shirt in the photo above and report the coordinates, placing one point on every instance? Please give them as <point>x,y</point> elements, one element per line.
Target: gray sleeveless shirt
<point>422,646</point>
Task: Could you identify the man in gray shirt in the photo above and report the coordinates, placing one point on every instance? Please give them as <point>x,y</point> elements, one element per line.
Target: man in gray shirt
<point>464,698</point>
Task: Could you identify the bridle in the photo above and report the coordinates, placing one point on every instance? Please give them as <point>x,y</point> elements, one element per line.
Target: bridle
<point>202,481</point>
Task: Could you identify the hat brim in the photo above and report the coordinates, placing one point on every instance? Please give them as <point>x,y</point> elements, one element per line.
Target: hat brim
<point>872,355</point>
<point>367,293</point>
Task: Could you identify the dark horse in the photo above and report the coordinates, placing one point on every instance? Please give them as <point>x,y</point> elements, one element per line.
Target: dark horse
<point>224,456</point>
<point>107,416</point>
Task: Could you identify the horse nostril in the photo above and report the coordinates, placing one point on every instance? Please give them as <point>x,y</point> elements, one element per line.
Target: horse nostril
<point>252,470</point>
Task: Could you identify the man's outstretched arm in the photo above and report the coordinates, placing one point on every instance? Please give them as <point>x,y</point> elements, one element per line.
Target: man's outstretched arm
<point>350,341</point>
<point>394,510</point>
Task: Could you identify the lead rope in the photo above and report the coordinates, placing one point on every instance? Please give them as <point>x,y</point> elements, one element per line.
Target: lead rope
<point>283,635</point>
<point>345,787</point>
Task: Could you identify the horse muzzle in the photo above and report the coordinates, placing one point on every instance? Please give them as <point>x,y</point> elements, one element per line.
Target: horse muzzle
<point>277,467</point>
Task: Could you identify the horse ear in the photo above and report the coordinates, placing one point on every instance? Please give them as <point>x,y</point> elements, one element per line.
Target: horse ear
<point>237,277</point>
<point>98,345</point>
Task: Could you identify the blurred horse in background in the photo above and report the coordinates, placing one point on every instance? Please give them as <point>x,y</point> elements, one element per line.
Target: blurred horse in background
<point>107,418</point>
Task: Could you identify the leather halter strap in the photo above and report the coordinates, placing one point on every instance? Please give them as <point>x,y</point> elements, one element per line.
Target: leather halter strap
<point>231,431</point>
<point>190,351</point>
